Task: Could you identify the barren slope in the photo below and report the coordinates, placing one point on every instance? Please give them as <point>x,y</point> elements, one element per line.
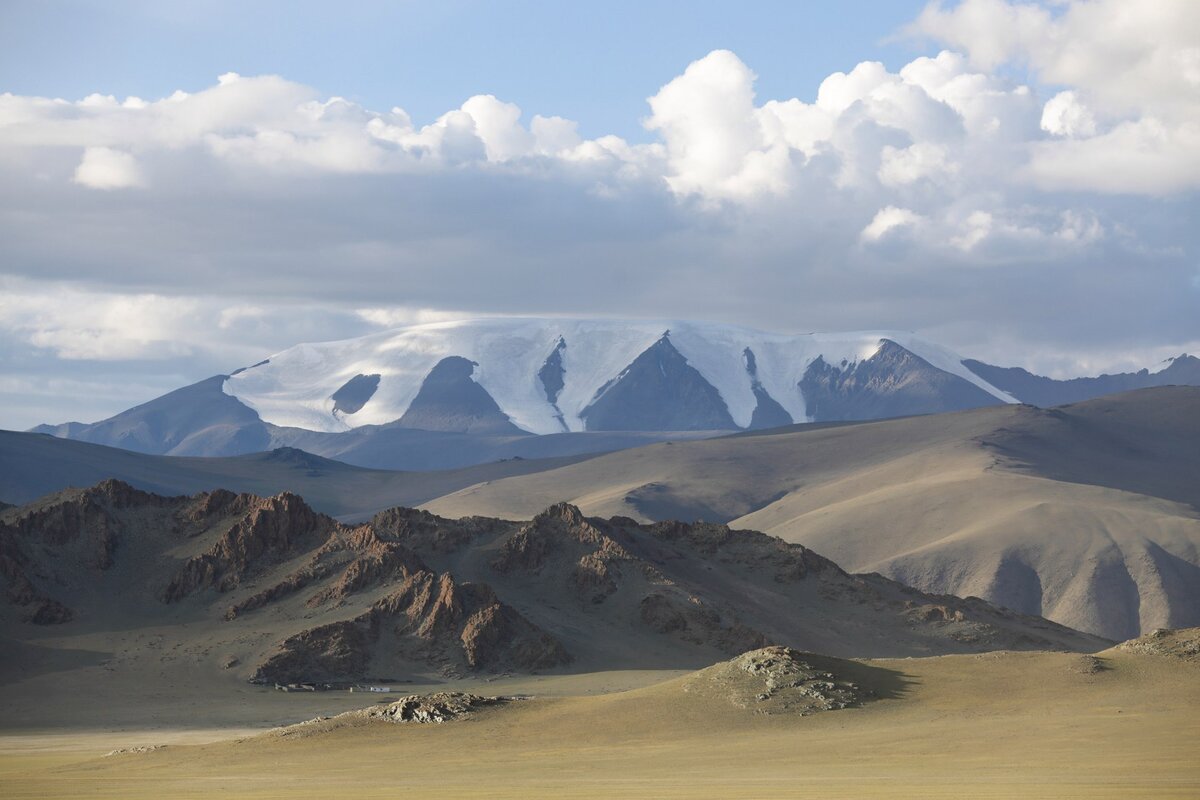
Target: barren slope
<point>1086,514</point>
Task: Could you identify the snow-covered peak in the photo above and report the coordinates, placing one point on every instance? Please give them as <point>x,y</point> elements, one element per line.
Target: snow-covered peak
<point>295,387</point>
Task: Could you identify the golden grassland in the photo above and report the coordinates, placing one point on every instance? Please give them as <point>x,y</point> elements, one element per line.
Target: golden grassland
<point>1025,725</point>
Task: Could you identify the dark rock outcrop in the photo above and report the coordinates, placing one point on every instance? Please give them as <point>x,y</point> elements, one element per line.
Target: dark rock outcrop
<point>1182,643</point>
<point>272,530</point>
<point>779,680</point>
<point>430,619</point>
<point>449,400</point>
<point>432,708</point>
<point>767,411</point>
<point>354,393</point>
<point>658,391</point>
<point>413,709</point>
<point>892,383</point>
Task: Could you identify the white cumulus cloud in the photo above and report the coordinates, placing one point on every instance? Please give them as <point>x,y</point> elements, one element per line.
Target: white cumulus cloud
<point>1064,115</point>
<point>888,220</point>
<point>106,168</point>
<point>1132,72</point>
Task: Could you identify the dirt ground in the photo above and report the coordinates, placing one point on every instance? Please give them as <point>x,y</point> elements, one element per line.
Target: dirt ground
<point>995,725</point>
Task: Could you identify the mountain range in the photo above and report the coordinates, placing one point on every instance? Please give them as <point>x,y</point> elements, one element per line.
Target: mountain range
<point>449,395</point>
<point>1087,514</point>
<point>267,589</point>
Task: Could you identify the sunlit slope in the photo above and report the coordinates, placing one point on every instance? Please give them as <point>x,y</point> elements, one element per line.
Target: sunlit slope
<point>1086,514</point>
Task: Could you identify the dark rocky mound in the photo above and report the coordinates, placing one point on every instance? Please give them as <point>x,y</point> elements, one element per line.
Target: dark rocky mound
<point>354,393</point>
<point>431,619</point>
<point>1183,643</point>
<point>778,680</point>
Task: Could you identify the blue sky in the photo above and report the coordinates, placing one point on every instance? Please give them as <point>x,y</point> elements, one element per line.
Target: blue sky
<point>1017,180</point>
<point>428,57</point>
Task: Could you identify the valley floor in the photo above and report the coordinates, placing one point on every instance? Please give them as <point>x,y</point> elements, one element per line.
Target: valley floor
<point>995,725</point>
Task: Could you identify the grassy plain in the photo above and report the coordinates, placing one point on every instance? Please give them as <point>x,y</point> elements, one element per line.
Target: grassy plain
<point>1028,725</point>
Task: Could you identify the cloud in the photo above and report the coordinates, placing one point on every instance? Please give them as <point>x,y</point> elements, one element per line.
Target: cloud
<point>1132,78</point>
<point>105,168</point>
<point>715,143</point>
<point>1064,115</point>
<point>923,160</point>
<point>1143,156</point>
<point>959,195</point>
<point>75,322</point>
<point>715,140</point>
<point>888,220</point>
<point>1123,57</point>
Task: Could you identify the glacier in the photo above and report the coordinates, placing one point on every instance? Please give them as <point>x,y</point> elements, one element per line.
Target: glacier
<point>294,388</point>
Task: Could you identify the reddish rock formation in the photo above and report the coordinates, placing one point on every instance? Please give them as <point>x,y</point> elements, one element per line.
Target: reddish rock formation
<point>561,534</point>
<point>380,599</point>
<point>428,618</point>
<point>272,529</point>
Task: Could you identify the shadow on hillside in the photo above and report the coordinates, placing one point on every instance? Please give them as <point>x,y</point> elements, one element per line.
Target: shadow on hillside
<point>883,683</point>
<point>26,660</point>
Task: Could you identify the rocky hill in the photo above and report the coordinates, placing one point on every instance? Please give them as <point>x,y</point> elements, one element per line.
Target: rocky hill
<point>276,592</point>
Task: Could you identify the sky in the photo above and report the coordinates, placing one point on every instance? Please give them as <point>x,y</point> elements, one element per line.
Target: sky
<point>187,189</point>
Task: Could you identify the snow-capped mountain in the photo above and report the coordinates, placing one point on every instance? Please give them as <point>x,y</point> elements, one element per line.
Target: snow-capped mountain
<point>460,393</point>
<point>555,375</point>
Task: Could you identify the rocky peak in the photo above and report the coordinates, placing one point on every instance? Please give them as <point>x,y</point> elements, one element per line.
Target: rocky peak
<point>430,618</point>
<point>564,513</point>
<point>120,494</point>
<point>210,504</point>
<point>563,533</point>
<point>272,529</point>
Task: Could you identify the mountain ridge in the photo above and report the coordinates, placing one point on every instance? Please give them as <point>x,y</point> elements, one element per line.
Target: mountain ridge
<point>1088,514</point>
<point>449,395</point>
<point>288,594</point>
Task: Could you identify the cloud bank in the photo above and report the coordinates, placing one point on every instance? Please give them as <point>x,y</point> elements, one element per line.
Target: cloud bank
<point>1044,219</point>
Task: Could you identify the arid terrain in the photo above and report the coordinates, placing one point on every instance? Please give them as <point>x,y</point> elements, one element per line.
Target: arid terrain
<point>145,602</point>
<point>623,400</point>
<point>564,653</point>
<point>1087,514</point>
<point>1118,724</point>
